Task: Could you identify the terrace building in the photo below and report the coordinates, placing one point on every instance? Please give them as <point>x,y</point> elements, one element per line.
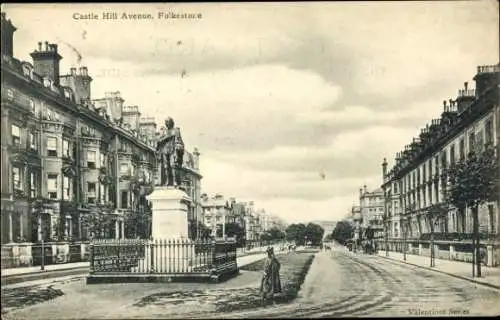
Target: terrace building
<point>418,180</point>
<point>72,167</point>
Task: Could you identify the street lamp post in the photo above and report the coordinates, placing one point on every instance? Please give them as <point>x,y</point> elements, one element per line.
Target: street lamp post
<point>433,262</point>
<point>405,232</point>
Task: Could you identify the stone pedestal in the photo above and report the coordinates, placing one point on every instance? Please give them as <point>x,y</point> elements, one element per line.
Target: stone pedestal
<point>169,249</point>
<point>170,208</point>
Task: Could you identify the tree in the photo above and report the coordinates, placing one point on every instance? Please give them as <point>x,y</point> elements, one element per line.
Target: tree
<point>98,219</point>
<point>234,230</point>
<point>473,182</point>
<point>204,231</point>
<point>343,232</point>
<point>300,233</point>
<point>436,212</point>
<point>138,220</point>
<point>272,235</point>
<point>296,233</point>
<point>314,233</point>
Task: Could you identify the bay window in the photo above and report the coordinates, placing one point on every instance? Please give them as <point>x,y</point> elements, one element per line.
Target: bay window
<point>33,185</point>
<point>65,146</point>
<point>91,192</point>
<point>103,160</point>
<point>33,141</point>
<point>16,135</point>
<point>16,178</point>
<point>66,188</point>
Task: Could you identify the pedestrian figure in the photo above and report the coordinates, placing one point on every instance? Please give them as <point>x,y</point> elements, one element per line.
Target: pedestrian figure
<point>270,283</point>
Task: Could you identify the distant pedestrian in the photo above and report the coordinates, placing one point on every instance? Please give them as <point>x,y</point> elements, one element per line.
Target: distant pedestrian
<point>270,283</point>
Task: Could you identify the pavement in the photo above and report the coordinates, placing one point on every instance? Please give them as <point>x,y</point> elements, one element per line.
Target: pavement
<point>490,276</point>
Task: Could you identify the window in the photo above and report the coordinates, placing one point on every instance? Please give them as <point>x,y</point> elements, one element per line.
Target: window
<point>16,135</point>
<point>472,140</point>
<point>91,159</point>
<point>424,172</point>
<point>452,154</point>
<point>91,192</point>
<point>33,141</point>
<point>16,178</point>
<point>124,169</point>
<point>103,160</point>
<point>102,192</point>
<point>430,193</point>
<point>443,160</point>
<point>52,186</point>
<point>488,130</point>
<point>461,149</point>
<point>66,187</point>
<point>33,185</point>
<point>65,146</point>
<point>52,147</point>
<point>124,200</point>
<point>32,106</point>
<point>480,139</point>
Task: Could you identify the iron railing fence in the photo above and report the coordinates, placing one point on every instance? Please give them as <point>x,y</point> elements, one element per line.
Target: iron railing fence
<point>161,256</point>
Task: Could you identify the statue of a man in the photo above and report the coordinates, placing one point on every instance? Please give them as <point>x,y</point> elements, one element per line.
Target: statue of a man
<point>171,151</point>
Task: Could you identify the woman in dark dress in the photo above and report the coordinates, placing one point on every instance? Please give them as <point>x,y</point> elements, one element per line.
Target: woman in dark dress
<point>270,283</point>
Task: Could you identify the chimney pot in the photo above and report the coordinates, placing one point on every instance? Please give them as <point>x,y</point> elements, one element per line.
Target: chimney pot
<point>466,84</point>
<point>46,46</point>
<point>73,71</point>
<point>39,46</point>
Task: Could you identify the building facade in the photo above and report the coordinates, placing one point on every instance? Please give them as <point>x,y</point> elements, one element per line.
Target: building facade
<point>418,181</point>
<point>73,167</point>
<point>371,207</point>
<point>63,156</point>
<point>216,213</point>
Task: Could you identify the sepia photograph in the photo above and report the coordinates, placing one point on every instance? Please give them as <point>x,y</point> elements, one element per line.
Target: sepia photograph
<point>250,160</point>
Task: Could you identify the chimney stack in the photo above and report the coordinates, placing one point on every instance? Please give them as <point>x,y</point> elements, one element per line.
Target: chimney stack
<point>46,63</point>
<point>384,168</point>
<point>7,36</point>
<point>196,156</point>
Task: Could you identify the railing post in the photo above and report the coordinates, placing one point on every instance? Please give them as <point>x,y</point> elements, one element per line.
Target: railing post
<point>42,266</point>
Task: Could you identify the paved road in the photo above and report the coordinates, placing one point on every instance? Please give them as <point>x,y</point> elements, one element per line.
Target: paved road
<point>341,283</point>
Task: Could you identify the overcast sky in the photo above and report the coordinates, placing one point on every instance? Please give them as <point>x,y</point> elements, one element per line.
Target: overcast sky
<point>278,96</point>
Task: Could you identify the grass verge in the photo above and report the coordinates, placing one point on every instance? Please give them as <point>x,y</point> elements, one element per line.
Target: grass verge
<point>294,268</point>
<point>22,297</point>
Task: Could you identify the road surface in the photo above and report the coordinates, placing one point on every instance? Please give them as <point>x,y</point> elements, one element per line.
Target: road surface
<point>339,283</point>
<point>342,283</point>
